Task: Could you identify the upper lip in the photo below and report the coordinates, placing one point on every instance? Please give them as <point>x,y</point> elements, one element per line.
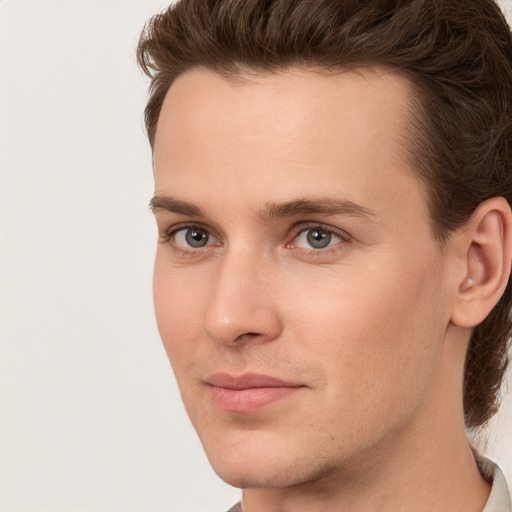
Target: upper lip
<point>248,381</point>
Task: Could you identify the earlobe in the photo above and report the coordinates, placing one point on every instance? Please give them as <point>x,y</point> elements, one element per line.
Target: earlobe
<point>485,246</point>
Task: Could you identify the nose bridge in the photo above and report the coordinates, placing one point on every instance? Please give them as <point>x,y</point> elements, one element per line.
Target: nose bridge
<point>240,301</point>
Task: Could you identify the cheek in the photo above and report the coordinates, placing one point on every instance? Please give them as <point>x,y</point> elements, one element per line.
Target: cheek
<point>377,335</point>
<point>179,308</point>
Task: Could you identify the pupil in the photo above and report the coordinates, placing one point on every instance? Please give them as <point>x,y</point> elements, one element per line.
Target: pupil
<point>197,237</point>
<point>318,238</point>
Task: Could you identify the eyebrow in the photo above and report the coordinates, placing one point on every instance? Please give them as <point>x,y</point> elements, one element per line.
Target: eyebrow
<point>320,206</point>
<point>173,205</point>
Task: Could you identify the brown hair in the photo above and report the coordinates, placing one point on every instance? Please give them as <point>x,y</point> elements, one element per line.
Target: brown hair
<point>456,53</point>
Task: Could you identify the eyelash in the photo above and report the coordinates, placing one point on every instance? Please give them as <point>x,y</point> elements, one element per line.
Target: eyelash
<point>343,237</point>
<point>170,235</point>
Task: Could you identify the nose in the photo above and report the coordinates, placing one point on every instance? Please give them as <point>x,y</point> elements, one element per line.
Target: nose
<point>242,304</point>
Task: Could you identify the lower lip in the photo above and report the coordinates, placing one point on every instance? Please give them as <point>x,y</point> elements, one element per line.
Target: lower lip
<point>250,399</point>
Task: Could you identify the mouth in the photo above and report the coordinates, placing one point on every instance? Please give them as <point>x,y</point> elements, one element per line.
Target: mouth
<point>249,392</point>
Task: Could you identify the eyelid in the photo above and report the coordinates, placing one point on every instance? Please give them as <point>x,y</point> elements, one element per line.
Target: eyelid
<point>170,233</point>
<point>296,230</point>
<point>305,226</point>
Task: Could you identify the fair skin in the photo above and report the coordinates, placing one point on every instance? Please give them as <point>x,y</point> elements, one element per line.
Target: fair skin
<point>296,245</point>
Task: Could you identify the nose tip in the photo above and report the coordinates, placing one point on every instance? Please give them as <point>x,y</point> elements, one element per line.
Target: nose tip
<point>241,308</point>
<point>239,326</point>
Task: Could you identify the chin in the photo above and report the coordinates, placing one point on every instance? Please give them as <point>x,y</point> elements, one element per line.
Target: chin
<point>273,476</point>
<point>260,464</point>
<point>245,476</point>
<point>249,459</point>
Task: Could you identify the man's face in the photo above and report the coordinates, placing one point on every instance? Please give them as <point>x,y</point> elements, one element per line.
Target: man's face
<point>299,291</point>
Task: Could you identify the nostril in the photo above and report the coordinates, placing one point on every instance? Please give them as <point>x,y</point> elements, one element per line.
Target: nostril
<point>246,335</point>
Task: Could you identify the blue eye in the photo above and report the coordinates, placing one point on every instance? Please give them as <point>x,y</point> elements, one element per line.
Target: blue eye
<point>194,237</point>
<point>316,237</point>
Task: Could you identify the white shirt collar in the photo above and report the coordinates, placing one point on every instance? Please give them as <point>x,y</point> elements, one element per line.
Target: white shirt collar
<point>499,499</point>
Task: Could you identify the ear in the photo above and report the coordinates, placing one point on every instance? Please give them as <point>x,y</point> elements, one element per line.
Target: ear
<point>484,249</point>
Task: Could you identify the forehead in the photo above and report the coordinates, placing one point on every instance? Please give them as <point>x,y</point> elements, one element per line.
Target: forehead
<point>294,102</point>
<point>282,135</point>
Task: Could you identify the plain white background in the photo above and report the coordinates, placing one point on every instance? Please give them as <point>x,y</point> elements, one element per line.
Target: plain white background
<point>90,417</point>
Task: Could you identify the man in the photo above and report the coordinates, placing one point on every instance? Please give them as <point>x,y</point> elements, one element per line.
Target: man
<point>332,189</point>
